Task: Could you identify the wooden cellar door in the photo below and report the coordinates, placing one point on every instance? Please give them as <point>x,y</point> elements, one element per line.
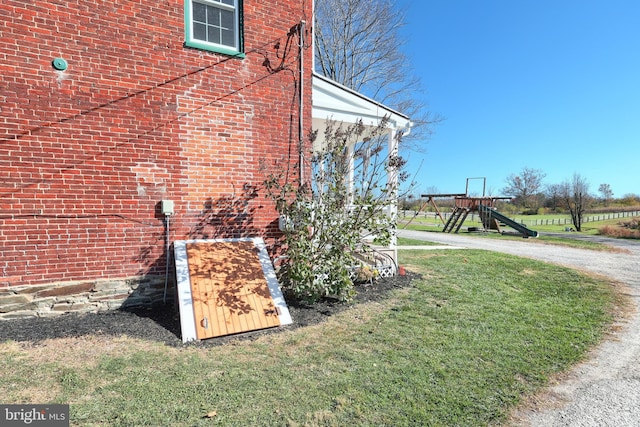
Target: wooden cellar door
<point>229,290</point>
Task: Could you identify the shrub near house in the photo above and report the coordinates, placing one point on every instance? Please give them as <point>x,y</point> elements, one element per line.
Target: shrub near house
<point>109,108</point>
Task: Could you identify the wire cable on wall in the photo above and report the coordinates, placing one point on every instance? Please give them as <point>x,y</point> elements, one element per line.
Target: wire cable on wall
<point>79,216</point>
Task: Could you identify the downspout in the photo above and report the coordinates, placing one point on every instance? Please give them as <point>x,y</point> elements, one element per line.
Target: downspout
<point>301,112</point>
<point>168,257</point>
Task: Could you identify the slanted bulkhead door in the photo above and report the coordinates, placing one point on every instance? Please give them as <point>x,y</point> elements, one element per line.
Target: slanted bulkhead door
<point>229,290</point>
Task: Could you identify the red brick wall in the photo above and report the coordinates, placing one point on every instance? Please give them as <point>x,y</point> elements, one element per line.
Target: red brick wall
<point>87,153</point>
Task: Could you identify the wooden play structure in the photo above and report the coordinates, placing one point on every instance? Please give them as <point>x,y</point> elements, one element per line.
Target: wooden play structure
<point>485,207</point>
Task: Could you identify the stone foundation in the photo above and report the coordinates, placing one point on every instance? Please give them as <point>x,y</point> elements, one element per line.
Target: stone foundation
<point>82,297</point>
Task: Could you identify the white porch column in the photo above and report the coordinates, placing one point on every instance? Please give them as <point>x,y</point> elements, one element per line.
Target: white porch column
<point>392,185</point>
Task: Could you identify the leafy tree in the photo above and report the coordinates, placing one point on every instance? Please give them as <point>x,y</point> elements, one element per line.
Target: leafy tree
<point>327,220</point>
<point>575,196</point>
<point>525,187</point>
<point>358,45</point>
<point>606,192</point>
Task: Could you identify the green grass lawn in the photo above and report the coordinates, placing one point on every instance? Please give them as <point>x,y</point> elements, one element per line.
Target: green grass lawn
<point>555,240</point>
<point>473,336</point>
<point>473,221</point>
<point>591,228</point>
<point>403,241</point>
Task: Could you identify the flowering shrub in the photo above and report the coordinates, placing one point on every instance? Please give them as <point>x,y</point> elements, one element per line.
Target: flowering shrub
<point>326,220</point>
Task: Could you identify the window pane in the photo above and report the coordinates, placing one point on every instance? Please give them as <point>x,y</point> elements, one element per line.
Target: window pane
<point>213,14</point>
<point>214,35</point>
<point>229,2</point>
<point>228,38</point>
<point>199,31</point>
<point>199,12</point>
<point>227,20</point>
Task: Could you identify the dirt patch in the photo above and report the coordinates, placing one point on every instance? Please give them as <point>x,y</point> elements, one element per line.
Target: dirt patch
<point>162,323</point>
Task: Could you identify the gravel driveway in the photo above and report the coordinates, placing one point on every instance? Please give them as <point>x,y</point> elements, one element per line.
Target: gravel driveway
<point>605,390</point>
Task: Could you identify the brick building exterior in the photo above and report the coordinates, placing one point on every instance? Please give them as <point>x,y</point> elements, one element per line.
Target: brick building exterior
<point>109,107</point>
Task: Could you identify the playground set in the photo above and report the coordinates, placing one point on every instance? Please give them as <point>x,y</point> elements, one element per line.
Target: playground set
<point>485,207</point>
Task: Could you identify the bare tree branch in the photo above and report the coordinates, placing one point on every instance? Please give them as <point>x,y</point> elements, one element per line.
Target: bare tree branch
<point>358,45</point>
<point>524,187</point>
<point>575,195</point>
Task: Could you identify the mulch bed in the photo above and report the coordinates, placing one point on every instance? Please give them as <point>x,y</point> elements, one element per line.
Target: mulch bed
<point>162,323</point>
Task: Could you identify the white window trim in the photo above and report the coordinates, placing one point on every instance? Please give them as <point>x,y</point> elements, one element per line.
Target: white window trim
<point>190,41</point>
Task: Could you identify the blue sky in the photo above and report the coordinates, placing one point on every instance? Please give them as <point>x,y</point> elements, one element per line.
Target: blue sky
<point>549,85</point>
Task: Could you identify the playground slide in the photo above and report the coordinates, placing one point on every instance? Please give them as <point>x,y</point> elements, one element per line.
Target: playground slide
<point>508,221</point>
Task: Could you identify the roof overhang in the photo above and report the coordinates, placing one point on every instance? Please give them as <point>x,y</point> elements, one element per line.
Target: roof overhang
<point>333,101</point>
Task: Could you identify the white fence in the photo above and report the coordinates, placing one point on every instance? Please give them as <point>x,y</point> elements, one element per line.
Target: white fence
<point>585,219</point>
